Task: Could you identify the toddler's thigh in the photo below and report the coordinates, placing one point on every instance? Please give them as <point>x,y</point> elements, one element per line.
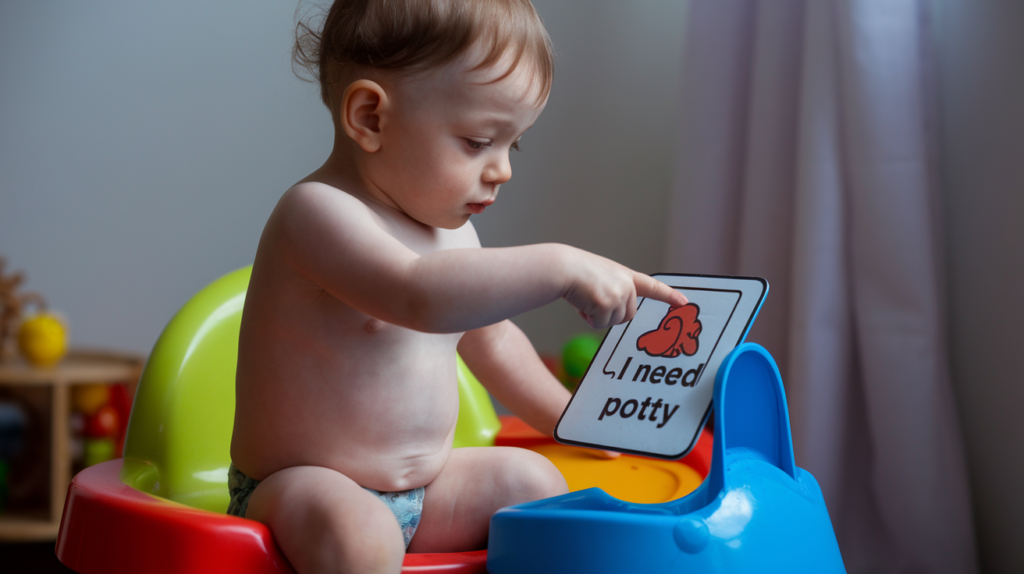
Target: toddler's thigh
<point>458,505</point>
<point>324,522</point>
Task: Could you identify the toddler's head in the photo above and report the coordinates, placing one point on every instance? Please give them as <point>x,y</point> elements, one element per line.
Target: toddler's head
<point>408,36</point>
<point>429,96</point>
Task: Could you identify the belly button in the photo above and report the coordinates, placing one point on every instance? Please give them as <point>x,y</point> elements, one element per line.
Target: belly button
<point>373,325</point>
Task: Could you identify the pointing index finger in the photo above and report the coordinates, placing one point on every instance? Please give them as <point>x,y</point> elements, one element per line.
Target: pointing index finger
<point>647,286</point>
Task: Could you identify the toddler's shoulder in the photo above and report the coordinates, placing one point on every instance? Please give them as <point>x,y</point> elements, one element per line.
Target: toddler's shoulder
<point>312,216</point>
<point>313,206</point>
<point>312,198</point>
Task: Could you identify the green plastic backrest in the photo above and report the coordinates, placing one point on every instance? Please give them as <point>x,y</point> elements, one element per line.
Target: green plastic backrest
<point>179,433</point>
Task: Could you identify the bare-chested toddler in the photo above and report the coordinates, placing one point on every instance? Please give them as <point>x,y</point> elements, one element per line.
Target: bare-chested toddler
<point>369,277</point>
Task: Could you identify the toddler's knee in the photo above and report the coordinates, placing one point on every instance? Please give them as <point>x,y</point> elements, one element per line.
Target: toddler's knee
<point>536,477</point>
<point>371,544</point>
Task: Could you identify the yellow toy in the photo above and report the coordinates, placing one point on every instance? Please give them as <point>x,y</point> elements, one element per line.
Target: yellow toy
<point>43,339</point>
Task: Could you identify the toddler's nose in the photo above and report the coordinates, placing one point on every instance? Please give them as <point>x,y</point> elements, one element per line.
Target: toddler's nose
<point>498,171</point>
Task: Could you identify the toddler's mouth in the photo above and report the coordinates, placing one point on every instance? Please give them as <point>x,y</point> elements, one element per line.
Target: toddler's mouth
<point>479,207</point>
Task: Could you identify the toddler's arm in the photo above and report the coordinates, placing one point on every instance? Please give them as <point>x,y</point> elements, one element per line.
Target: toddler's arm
<point>506,363</point>
<point>337,242</point>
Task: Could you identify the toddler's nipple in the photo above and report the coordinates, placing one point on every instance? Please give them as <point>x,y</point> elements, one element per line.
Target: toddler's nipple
<point>373,325</point>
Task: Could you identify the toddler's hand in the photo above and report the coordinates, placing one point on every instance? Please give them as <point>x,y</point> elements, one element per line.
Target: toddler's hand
<point>605,293</point>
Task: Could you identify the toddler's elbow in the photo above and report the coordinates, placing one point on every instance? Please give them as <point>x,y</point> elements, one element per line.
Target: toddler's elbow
<point>420,314</point>
<point>426,305</point>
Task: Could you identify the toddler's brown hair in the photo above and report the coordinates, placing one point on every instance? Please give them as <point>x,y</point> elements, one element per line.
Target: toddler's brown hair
<point>416,35</point>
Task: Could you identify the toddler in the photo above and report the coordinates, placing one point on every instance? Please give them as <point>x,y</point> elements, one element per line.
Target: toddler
<point>369,277</point>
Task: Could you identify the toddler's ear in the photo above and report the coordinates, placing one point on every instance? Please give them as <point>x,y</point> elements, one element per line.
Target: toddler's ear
<point>361,108</point>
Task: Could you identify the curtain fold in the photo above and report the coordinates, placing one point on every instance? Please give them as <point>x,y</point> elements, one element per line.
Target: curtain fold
<point>805,158</point>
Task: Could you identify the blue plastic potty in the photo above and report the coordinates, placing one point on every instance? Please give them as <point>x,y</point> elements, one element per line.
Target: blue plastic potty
<point>755,512</point>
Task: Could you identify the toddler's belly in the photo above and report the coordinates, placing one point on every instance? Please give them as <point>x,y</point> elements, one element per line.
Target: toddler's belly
<point>397,438</point>
<point>323,385</point>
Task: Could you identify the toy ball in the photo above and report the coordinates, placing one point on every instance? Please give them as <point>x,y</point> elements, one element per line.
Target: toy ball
<point>43,340</point>
<point>105,423</point>
<point>578,353</point>
<point>88,399</point>
<point>98,450</point>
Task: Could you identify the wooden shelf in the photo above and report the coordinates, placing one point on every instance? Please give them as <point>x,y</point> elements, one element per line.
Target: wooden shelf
<point>17,527</point>
<point>78,367</point>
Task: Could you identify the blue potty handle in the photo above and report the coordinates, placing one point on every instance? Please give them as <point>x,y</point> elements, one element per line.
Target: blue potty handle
<point>750,412</point>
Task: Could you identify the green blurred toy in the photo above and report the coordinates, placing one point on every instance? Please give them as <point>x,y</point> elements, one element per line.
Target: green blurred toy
<point>576,357</point>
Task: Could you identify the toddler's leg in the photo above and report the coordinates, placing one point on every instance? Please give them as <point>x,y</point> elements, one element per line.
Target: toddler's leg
<point>475,482</point>
<point>325,522</point>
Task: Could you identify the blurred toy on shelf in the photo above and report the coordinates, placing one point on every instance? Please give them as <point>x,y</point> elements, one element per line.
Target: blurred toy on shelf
<point>99,419</point>
<point>577,354</point>
<point>88,399</point>
<point>41,337</point>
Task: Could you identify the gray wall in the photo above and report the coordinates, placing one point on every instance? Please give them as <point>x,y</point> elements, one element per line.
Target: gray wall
<point>982,87</point>
<point>142,146</point>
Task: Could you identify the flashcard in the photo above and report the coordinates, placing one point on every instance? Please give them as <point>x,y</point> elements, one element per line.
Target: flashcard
<point>648,390</point>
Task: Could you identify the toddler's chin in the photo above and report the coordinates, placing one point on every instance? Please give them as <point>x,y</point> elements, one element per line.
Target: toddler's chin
<point>462,221</point>
<point>453,222</point>
<point>457,221</point>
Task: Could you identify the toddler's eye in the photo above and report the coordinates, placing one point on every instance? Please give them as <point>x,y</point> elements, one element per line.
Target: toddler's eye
<point>475,144</point>
<point>515,145</point>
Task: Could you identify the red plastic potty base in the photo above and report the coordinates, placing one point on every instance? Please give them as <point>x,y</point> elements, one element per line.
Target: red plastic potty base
<point>111,528</point>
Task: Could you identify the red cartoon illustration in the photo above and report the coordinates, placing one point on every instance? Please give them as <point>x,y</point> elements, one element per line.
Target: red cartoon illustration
<point>677,334</point>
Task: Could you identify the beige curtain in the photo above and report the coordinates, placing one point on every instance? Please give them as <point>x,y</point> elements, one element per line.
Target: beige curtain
<point>806,158</point>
